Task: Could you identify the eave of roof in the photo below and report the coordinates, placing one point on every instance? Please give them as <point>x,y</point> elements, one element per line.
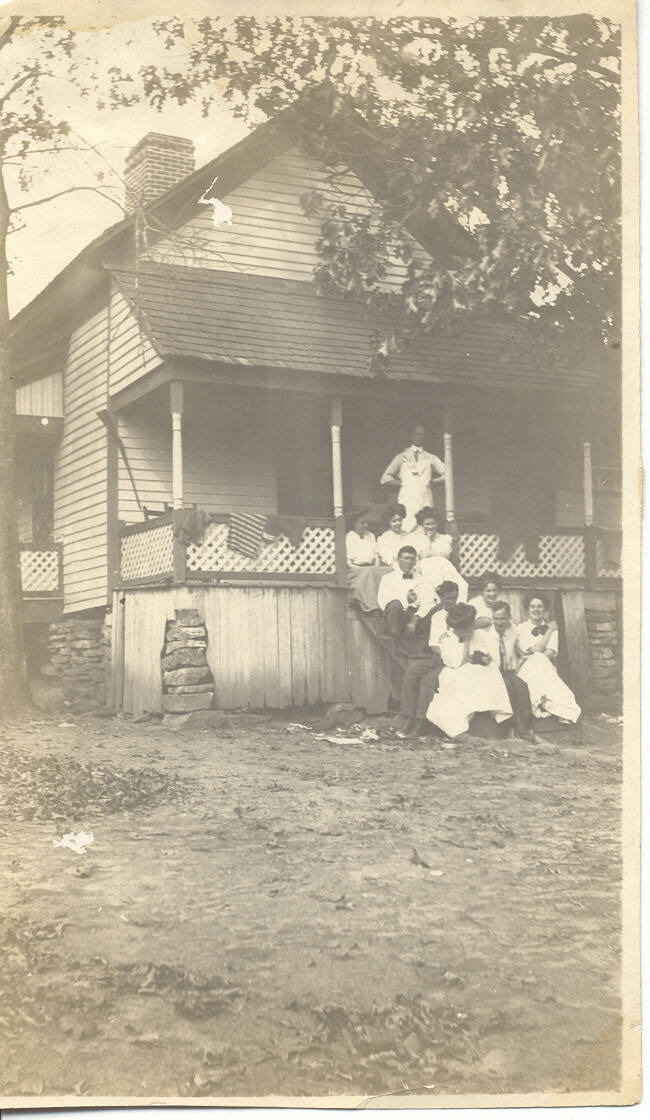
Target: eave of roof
<point>253,320</point>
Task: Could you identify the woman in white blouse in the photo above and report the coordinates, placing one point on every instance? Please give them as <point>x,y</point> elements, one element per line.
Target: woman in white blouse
<point>390,542</point>
<point>365,571</point>
<point>434,550</point>
<point>537,644</point>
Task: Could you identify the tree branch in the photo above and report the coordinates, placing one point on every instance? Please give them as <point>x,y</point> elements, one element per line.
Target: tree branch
<point>58,194</point>
<point>7,34</point>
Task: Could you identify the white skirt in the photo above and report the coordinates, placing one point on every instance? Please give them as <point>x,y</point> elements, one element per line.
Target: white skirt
<point>549,695</point>
<point>465,691</point>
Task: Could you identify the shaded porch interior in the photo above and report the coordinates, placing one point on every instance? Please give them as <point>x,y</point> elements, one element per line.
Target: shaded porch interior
<point>515,458</point>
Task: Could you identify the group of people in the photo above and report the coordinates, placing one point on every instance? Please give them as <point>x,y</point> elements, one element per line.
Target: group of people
<point>462,657</point>
<point>370,558</point>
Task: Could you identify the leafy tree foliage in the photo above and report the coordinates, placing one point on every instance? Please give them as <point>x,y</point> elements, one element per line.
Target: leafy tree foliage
<point>505,129</point>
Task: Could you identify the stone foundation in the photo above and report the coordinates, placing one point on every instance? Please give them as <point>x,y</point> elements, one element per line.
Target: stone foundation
<point>605,642</point>
<point>188,684</point>
<point>79,655</point>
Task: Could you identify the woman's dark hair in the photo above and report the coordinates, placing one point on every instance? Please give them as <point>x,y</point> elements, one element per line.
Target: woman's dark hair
<point>355,516</point>
<point>428,511</point>
<point>537,595</point>
<point>490,577</point>
<point>461,615</point>
<point>394,510</point>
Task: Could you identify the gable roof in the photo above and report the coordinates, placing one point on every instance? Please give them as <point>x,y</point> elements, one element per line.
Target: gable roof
<point>56,308</point>
<point>246,320</point>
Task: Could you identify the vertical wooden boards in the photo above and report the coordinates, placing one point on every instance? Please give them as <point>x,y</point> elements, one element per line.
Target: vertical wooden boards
<point>267,647</point>
<point>335,686</point>
<point>298,651</point>
<point>370,684</point>
<point>267,628</point>
<point>116,677</point>
<point>577,642</point>
<point>285,653</point>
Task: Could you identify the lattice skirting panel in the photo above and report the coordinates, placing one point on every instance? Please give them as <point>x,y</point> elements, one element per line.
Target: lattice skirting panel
<point>315,554</point>
<point>148,553</point>
<point>607,567</point>
<point>39,570</point>
<point>560,555</point>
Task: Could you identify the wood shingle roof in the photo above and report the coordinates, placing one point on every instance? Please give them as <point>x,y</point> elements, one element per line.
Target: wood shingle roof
<point>250,320</point>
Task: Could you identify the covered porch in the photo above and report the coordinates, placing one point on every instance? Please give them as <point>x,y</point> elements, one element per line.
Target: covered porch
<point>529,490</point>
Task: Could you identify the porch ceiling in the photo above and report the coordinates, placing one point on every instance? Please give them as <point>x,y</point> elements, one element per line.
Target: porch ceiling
<point>249,320</point>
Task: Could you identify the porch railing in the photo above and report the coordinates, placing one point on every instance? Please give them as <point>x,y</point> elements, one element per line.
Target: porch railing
<point>41,574</point>
<point>151,552</point>
<point>560,554</point>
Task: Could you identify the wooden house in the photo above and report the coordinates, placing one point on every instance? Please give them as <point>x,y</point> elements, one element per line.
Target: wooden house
<point>182,365</point>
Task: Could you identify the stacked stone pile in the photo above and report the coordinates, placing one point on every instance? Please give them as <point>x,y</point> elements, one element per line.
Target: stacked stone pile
<point>188,684</point>
<point>604,639</point>
<point>79,656</point>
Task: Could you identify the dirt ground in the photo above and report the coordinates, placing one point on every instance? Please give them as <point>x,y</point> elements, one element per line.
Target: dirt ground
<point>265,912</point>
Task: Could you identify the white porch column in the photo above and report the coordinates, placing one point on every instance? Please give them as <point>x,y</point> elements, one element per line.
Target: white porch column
<point>587,483</point>
<point>176,406</point>
<point>336,419</point>
<point>450,503</point>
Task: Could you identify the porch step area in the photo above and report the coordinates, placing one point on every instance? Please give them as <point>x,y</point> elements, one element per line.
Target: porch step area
<point>376,668</point>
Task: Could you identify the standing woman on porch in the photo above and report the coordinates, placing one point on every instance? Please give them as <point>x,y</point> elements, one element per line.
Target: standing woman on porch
<point>434,550</point>
<point>365,572</point>
<point>414,470</point>
<point>537,643</point>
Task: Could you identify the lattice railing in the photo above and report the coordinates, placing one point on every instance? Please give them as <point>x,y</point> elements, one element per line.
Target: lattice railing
<point>40,570</point>
<point>607,567</point>
<point>147,551</point>
<point>560,555</point>
<point>314,555</point>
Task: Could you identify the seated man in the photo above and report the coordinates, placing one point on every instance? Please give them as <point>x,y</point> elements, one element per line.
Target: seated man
<point>406,598</point>
<point>420,679</point>
<point>510,663</point>
<point>470,681</point>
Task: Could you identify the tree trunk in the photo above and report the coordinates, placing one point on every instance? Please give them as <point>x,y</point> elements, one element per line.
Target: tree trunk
<point>14,690</point>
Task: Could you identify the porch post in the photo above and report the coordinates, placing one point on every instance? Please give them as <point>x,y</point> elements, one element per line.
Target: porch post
<point>176,409</point>
<point>336,419</point>
<point>336,422</point>
<point>450,503</point>
<point>587,483</point>
<point>591,546</point>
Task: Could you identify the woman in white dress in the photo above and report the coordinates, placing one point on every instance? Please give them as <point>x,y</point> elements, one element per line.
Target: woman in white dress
<point>490,592</point>
<point>434,550</point>
<point>537,644</point>
<point>414,470</point>
<point>470,681</point>
<point>390,542</point>
<point>365,572</point>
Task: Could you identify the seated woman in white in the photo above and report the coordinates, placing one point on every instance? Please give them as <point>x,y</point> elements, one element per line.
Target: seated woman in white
<point>434,549</point>
<point>470,681</point>
<point>390,542</point>
<point>364,569</point>
<point>490,592</point>
<point>537,644</point>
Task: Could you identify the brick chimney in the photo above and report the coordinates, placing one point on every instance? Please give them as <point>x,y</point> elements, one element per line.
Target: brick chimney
<point>157,163</point>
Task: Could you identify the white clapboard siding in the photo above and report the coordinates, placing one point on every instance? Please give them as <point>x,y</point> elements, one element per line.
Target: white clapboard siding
<point>132,354</point>
<point>223,471</point>
<point>80,518</point>
<point>43,397</point>
<point>270,233</point>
